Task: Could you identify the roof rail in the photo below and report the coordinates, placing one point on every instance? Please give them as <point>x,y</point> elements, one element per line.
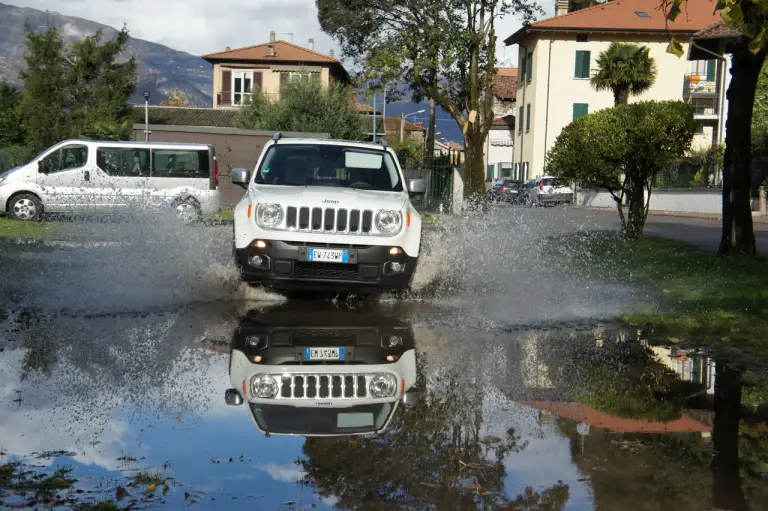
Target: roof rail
<point>384,143</point>
<point>277,136</point>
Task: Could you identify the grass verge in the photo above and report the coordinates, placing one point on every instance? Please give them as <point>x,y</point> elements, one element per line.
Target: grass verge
<point>703,299</point>
<point>20,229</point>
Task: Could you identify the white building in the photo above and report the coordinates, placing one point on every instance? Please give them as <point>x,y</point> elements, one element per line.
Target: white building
<point>499,145</point>
<point>557,57</point>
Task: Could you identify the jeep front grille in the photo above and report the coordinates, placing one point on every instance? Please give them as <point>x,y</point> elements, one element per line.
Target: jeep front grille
<point>324,386</point>
<point>330,220</point>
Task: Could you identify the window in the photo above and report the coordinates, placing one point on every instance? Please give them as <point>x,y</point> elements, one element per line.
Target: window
<point>528,117</point>
<point>522,118</point>
<point>582,38</point>
<point>582,64</point>
<point>291,75</point>
<point>642,14</point>
<point>123,161</point>
<point>67,158</point>
<point>181,163</point>
<point>523,67</point>
<point>529,67</point>
<point>242,82</point>
<point>580,110</point>
<point>329,165</point>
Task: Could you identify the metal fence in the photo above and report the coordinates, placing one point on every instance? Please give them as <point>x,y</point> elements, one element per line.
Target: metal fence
<point>688,175</point>
<point>439,185</point>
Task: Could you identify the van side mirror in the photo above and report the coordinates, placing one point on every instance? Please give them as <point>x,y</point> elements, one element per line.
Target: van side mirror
<point>41,166</point>
<point>232,397</point>
<point>241,177</point>
<point>417,186</point>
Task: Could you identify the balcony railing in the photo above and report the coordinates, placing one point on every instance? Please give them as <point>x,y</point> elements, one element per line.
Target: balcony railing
<point>237,99</point>
<point>704,107</point>
<point>696,84</point>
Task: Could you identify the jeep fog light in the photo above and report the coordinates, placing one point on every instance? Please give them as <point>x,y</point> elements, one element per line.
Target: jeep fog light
<point>382,385</point>
<point>256,341</point>
<point>388,221</point>
<point>257,261</point>
<point>264,386</point>
<point>269,215</point>
<point>391,341</point>
<point>393,267</point>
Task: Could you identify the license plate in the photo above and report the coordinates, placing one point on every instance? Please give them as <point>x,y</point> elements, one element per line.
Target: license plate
<point>324,353</point>
<point>328,255</point>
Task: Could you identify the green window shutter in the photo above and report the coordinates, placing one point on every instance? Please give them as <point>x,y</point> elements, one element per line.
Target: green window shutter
<point>580,110</point>
<point>528,117</point>
<point>585,64</point>
<point>523,68</point>
<point>520,124</point>
<point>529,70</point>
<point>711,70</point>
<point>579,63</point>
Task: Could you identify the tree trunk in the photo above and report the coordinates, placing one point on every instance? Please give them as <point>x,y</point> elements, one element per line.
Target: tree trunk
<point>620,95</point>
<point>726,476</point>
<point>738,232</point>
<point>431,133</point>
<point>474,175</point>
<point>636,218</point>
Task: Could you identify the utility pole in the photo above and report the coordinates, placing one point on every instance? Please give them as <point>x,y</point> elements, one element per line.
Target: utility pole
<point>146,116</point>
<point>431,132</point>
<point>374,116</point>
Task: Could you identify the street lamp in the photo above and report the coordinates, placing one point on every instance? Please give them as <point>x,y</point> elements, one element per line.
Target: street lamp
<point>146,116</point>
<point>402,121</point>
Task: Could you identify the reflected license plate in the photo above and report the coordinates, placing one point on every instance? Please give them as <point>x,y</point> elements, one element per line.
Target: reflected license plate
<point>328,255</point>
<point>324,353</point>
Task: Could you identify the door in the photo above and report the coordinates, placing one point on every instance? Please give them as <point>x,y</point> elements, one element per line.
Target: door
<point>121,177</point>
<point>62,178</point>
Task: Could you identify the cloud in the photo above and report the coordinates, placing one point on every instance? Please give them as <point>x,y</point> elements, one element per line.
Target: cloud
<point>282,473</point>
<point>202,26</point>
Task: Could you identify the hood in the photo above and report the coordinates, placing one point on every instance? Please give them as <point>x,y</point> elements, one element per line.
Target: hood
<point>326,196</point>
<point>13,174</point>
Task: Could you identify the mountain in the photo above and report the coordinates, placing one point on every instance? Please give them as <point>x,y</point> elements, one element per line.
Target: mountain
<point>160,69</point>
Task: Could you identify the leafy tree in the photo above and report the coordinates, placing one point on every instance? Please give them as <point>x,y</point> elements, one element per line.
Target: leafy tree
<point>68,92</point>
<point>750,18</point>
<point>622,149</point>
<point>445,50</point>
<point>11,123</point>
<point>175,98</point>
<point>305,105</point>
<point>760,117</point>
<point>44,94</point>
<point>624,69</point>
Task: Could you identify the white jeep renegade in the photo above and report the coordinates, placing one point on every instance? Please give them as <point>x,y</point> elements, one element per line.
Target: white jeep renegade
<point>327,215</point>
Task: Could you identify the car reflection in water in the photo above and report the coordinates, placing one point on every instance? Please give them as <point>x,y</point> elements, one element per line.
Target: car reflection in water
<point>321,371</point>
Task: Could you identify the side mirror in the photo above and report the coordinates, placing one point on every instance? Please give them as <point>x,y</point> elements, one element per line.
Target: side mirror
<point>241,177</point>
<point>233,397</point>
<point>417,186</point>
<point>41,166</point>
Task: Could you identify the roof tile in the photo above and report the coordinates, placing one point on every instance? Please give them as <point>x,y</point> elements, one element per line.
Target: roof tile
<point>505,83</point>
<point>718,31</point>
<point>630,15</point>
<point>284,52</point>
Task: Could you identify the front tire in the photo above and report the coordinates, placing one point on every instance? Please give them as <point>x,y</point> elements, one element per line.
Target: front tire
<point>188,210</point>
<point>25,206</point>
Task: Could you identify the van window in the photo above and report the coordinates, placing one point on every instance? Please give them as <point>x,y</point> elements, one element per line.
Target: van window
<point>189,163</point>
<point>67,158</point>
<point>123,161</point>
<point>550,181</point>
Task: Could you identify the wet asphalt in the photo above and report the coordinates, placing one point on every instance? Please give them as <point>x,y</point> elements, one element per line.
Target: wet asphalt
<point>119,367</point>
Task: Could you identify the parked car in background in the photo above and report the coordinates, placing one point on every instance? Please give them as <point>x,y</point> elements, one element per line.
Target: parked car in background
<point>89,176</point>
<point>549,190</point>
<point>505,190</point>
<point>524,195</point>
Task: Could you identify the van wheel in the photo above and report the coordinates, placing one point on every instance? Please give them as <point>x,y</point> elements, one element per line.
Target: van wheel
<point>188,210</point>
<point>25,206</point>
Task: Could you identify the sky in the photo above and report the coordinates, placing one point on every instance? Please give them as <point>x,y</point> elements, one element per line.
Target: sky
<point>204,26</point>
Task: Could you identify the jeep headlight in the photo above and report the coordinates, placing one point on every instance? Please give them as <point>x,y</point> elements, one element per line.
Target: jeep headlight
<point>269,215</point>
<point>382,385</point>
<point>388,221</point>
<point>264,386</point>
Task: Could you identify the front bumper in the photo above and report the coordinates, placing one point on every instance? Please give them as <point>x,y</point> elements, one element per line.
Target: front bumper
<point>555,197</point>
<point>285,266</point>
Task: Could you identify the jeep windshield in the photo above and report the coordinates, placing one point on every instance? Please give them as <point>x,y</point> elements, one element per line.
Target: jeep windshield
<point>296,420</point>
<point>335,166</point>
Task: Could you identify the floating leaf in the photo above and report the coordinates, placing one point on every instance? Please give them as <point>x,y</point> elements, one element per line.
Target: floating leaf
<point>490,439</point>
<point>165,488</point>
<point>675,47</point>
<point>151,488</point>
<point>121,493</point>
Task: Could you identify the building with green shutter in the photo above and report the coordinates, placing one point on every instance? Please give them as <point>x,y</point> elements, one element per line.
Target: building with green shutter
<point>558,56</point>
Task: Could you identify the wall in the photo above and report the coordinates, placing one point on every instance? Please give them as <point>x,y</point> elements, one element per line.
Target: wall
<point>554,79</point>
<point>679,200</point>
<point>595,199</point>
<point>234,149</point>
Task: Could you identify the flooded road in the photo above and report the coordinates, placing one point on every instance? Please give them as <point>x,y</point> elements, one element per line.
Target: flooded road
<point>133,377</point>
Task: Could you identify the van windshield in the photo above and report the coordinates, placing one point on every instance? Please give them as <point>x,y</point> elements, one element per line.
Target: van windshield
<point>329,165</point>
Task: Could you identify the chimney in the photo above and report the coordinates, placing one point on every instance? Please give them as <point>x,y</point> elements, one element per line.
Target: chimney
<point>311,44</point>
<point>271,50</point>
<point>271,36</point>
<point>330,53</point>
<point>561,7</point>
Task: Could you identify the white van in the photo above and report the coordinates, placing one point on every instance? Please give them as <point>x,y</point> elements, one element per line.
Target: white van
<point>327,215</point>
<point>86,176</point>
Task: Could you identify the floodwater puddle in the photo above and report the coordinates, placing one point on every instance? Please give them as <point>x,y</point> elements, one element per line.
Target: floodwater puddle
<point>162,409</point>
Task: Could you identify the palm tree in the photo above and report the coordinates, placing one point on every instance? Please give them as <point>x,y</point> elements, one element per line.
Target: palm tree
<point>625,69</point>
